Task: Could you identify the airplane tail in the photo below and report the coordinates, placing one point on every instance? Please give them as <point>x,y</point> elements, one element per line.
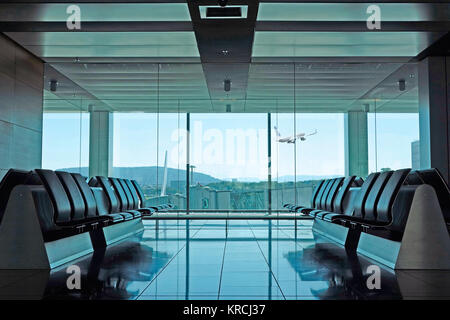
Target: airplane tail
<point>276,130</point>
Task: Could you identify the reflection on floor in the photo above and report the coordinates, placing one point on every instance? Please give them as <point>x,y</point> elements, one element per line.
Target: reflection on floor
<point>219,260</point>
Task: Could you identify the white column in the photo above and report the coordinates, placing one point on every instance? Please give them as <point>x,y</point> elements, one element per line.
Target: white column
<point>100,143</point>
<point>356,144</point>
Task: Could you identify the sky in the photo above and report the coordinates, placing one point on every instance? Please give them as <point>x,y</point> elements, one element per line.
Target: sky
<point>231,146</point>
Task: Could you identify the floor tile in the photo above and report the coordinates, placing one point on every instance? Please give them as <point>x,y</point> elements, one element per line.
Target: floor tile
<point>251,260</point>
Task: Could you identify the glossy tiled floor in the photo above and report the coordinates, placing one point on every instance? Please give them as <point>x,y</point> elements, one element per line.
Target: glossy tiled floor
<point>219,260</point>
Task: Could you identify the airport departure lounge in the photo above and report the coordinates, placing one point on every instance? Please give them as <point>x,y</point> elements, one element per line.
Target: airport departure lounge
<point>225,150</point>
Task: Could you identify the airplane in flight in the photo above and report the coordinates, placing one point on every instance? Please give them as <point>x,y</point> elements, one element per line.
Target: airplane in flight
<point>302,136</point>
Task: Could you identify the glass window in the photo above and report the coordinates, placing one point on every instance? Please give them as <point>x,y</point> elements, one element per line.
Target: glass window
<point>393,141</point>
<point>65,141</point>
<point>141,142</point>
<point>320,151</point>
<point>283,164</point>
<point>304,156</point>
<point>228,159</point>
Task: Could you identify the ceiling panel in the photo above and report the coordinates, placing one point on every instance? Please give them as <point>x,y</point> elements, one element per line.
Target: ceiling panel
<point>341,44</point>
<point>96,12</point>
<point>352,11</point>
<point>138,86</point>
<point>108,44</point>
<point>320,87</point>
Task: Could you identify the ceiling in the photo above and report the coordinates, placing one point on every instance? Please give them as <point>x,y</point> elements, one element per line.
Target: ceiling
<point>162,56</point>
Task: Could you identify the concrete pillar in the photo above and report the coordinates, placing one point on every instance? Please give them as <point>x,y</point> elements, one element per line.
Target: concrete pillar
<point>100,143</point>
<point>434,114</point>
<point>356,144</point>
<point>21,108</point>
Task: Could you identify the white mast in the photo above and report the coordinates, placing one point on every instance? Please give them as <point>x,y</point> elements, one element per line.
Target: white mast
<point>163,189</point>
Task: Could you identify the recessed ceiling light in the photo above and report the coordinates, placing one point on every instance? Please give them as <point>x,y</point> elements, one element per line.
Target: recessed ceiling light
<point>228,12</point>
<point>402,84</point>
<point>227,85</point>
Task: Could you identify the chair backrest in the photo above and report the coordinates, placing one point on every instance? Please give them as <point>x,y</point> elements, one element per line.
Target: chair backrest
<point>414,178</point>
<point>74,195</point>
<point>315,193</point>
<point>88,196</point>
<point>434,178</point>
<point>374,195</point>
<point>120,193</point>
<point>133,192</point>
<point>93,182</point>
<point>321,193</point>
<point>323,200</point>
<point>130,199</point>
<point>60,201</point>
<point>109,192</point>
<point>339,199</point>
<point>358,206</point>
<point>358,182</point>
<point>387,197</point>
<point>139,191</point>
<point>332,194</point>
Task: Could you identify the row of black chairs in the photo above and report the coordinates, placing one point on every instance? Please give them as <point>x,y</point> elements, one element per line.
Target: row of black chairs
<point>381,203</point>
<point>127,195</point>
<point>71,206</point>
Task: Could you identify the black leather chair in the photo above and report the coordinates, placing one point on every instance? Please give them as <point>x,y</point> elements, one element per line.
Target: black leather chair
<point>295,208</point>
<point>58,224</point>
<point>135,196</point>
<point>337,207</point>
<point>77,202</point>
<point>414,179</point>
<point>327,204</point>
<point>141,195</point>
<point>323,191</point>
<point>321,205</point>
<point>124,205</point>
<point>358,205</point>
<point>378,206</point>
<point>374,196</point>
<point>90,203</point>
<point>112,199</point>
<point>358,182</point>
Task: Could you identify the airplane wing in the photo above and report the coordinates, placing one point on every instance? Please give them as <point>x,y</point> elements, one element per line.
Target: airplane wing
<point>285,139</point>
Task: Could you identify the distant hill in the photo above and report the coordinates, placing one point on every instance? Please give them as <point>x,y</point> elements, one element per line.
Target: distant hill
<point>303,178</point>
<point>290,178</point>
<point>147,175</point>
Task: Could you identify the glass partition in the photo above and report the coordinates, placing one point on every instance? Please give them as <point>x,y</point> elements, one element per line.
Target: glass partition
<point>254,153</point>
<point>149,148</point>
<point>228,162</point>
<point>393,123</point>
<point>65,136</point>
<point>283,160</point>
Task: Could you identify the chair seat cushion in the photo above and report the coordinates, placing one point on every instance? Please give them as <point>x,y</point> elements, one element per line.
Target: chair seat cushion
<point>313,213</point>
<point>127,216</point>
<point>115,217</point>
<point>323,214</point>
